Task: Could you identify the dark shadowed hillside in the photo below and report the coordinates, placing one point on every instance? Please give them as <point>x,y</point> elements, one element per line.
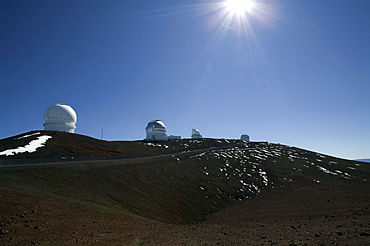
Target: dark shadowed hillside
<point>183,192</point>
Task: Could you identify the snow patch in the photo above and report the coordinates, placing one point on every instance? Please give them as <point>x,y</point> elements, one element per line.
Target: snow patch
<point>26,136</point>
<point>30,147</point>
<point>326,170</point>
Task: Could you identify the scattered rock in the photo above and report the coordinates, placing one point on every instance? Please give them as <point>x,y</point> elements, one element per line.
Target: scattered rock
<point>4,232</point>
<point>364,234</point>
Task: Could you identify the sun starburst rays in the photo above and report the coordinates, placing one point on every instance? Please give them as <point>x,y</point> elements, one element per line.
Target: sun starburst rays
<point>239,18</point>
<point>238,7</point>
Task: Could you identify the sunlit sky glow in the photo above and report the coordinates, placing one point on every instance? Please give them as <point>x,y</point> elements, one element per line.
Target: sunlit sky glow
<point>238,8</point>
<point>283,71</point>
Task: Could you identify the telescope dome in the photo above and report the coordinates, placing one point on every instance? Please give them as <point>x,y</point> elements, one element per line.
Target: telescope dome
<point>244,137</point>
<point>195,133</point>
<point>156,130</point>
<point>60,117</point>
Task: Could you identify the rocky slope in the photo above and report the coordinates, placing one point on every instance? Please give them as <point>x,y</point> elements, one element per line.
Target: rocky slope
<point>184,192</point>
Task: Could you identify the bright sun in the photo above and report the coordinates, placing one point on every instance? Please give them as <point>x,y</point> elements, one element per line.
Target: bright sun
<point>238,7</point>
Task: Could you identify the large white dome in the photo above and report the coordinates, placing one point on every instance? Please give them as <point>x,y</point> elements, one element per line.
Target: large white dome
<point>60,117</point>
<point>156,125</point>
<point>156,130</point>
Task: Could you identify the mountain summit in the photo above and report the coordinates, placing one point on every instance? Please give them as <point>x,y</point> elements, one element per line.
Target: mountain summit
<point>178,192</point>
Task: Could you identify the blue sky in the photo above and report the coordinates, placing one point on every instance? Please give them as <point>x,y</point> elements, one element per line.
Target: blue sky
<point>297,74</point>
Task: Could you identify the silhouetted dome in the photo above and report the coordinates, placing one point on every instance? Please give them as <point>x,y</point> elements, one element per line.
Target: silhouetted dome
<point>245,137</point>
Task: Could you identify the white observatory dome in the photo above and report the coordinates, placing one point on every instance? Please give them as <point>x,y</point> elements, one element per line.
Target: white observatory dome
<point>245,138</point>
<point>60,117</point>
<point>156,130</point>
<point>195,133</point>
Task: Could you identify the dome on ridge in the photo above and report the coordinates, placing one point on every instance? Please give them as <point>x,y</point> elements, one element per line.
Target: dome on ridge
<point>195,133</point>
<point>156,130</point>
<point>155,125</point>
<point>60,117</point>
<point>245,138</point>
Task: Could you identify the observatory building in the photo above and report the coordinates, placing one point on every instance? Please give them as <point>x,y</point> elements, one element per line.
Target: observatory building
<point>156,130</point>
<point>195,134</point>
<point>245,138</point>
<point>60,117</point>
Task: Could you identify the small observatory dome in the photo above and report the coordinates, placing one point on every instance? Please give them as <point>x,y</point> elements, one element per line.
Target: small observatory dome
<point>156,130</point>
<point>195,133</point>
<point>60,117</point>
<point>245,138</point>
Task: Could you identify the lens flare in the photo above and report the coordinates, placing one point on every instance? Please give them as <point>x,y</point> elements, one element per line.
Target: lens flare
<point>238,7</point>
<point>239,18</point>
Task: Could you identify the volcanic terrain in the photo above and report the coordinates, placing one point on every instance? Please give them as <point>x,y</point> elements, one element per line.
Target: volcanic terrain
<point>67,189</point>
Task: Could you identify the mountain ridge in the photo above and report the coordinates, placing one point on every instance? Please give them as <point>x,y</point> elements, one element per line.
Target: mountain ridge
<point>209,184</point>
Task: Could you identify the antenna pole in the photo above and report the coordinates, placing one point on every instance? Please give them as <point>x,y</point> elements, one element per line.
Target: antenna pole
<point>101,134</point>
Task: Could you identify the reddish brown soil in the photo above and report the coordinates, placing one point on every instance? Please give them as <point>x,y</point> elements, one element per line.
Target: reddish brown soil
<point>293,216</point>
<point>176,199</point>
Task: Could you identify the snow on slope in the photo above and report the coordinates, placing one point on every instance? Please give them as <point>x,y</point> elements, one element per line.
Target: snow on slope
<point>245,168</point>
<point>30,135</point>
<point>30,147</point>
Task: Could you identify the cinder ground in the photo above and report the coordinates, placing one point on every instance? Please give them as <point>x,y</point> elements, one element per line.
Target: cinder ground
<point>297,216</point>
<point>184,199</point>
